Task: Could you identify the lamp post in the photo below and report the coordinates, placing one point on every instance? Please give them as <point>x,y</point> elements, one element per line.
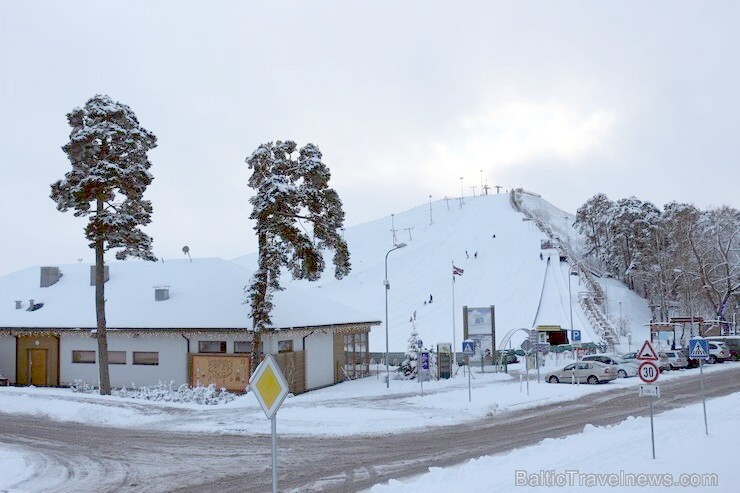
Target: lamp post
<point>387,287</point>
<point>461,192</point>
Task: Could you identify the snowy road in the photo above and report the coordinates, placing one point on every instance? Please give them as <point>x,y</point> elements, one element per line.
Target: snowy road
<point>74,457</point>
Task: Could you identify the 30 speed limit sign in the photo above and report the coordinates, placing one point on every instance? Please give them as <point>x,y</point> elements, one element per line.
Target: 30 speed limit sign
<point>648,372</point>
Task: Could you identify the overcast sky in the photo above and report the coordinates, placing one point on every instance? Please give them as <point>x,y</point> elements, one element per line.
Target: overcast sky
<point>566,99</point>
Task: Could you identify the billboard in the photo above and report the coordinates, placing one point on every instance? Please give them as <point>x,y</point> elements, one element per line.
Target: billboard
<point>479,324</point>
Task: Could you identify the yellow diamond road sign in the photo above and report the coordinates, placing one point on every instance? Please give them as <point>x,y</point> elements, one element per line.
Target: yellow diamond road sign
<point>269,386</point>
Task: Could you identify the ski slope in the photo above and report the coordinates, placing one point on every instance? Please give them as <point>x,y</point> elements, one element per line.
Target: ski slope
<point>507,273</point>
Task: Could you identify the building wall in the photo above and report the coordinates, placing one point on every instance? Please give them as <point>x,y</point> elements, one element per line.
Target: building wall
<point>173,359</point>
<point>319,360</point>
<point>7,357</point>
<point>228,338</point>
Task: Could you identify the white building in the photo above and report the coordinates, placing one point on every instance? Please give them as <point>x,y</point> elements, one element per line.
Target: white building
<point>177,320</point>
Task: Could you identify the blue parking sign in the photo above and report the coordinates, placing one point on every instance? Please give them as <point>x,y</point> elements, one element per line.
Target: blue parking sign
<point>576,335</point>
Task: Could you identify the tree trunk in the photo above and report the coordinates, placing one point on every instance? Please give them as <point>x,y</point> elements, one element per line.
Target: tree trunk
<point>257,326</point>
<point>100,313</point>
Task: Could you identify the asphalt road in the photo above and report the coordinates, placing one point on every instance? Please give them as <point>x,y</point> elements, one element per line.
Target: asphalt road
<point>70,457</point>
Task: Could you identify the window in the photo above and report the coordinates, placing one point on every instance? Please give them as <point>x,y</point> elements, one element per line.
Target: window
<point>242,347</point>
<point>117,357</point>
<point>83,357</point>
<point>211,346</point>
<point>356,357</point>
<point>285,346</point>
<point>146,358</point>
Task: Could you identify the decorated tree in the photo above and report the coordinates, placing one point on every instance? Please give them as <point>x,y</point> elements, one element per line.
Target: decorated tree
<point>298,216</point>
<point>108,149</point>
<point>410,364</point>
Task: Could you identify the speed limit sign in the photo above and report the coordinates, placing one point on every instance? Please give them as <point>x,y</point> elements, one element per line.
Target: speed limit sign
<point>648,372</point>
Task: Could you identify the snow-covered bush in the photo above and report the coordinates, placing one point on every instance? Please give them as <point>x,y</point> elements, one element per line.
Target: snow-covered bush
<point>166,392</point>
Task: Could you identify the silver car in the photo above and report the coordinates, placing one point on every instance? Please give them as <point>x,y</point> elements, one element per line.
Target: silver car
<point>592,372</point>
<point>676,359</point>
<point>623,367</point>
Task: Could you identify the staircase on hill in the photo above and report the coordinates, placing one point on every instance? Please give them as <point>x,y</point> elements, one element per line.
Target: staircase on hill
<point>592,300</point>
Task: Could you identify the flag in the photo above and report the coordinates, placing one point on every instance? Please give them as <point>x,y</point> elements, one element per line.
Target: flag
<point>457,271</point>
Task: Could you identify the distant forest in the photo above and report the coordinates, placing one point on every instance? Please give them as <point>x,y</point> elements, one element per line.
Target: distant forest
<point>683,260</point>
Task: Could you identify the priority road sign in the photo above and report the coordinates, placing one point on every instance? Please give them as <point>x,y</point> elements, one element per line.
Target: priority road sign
<point>269,386</point>
<point>468,347</point>
<point>647,353</point>
<point>576,335</point>
<point>698,348</point>
<point>648,372</point>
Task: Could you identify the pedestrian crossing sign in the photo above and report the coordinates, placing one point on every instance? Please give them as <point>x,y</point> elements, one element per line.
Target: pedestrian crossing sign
<point>698,348</point>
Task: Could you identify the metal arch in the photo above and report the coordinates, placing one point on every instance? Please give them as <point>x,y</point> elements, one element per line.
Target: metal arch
<point>507,337</point>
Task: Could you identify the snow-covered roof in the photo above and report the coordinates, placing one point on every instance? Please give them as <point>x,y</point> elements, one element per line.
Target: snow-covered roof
<point>204,293</point>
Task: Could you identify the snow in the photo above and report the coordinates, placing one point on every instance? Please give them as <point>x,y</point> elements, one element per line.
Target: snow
<point>363,407</point>
<point>507,272</point>
<point>204,293</point>
<point>611,458</point>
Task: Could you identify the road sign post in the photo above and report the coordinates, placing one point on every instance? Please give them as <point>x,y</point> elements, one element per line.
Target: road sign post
<point>270,388</point>
<point>699,349</point>
<point>649,373</point>
<point>468,347</point>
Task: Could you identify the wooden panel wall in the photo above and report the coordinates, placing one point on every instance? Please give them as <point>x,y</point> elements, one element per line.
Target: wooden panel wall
<point>293,365</point>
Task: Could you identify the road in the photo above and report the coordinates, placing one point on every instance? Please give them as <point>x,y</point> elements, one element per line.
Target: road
<point>72,458</point>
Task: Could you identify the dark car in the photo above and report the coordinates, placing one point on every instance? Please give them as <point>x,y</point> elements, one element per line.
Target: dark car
<point>693,363</point>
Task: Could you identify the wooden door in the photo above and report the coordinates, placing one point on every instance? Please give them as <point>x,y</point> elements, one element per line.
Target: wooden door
<point>37,363</point>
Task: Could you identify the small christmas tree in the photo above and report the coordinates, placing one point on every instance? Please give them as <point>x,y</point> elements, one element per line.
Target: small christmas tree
<point>410,365</point>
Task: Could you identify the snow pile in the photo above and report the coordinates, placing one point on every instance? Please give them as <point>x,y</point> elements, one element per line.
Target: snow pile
<point>685,458</point>
<point>165,392</point>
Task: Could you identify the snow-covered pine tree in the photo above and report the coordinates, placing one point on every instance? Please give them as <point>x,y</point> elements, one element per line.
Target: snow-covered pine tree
<point>292,193</point>
<point>409,366</point>
<point>108,149</point>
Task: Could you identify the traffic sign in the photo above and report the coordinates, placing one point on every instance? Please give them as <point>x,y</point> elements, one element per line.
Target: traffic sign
<point>698,348</point>
<point>425,361</point>
<point>468,347</point>
<point>576,335</point>
<point>269,386</point>
<point>649,390</point>
<point>648,372</point>
<point>647,353</point>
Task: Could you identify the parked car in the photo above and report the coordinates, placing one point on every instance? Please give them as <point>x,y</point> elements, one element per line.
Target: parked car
<point>507,357</point>
<point>591,372</point>
<point>718,352</point>
<point>623,367</point>
<point>691,363</point>
<point>663,363</point>
<point>676,359</point>
<point>732,343</point>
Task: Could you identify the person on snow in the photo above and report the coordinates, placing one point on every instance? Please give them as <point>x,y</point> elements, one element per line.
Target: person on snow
<point>430,298</point>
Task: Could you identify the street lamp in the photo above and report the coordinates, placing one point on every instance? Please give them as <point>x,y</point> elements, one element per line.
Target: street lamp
<point>430,211</point>
<point>387,287</point>
<point>461,192</point>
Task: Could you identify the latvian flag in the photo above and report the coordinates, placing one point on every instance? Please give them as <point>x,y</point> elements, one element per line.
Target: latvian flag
<point>457,271</point>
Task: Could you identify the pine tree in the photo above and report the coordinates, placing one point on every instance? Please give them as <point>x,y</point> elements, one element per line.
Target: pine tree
<point>108,152</point>
<point>410,364</point>
<point>292,192</point>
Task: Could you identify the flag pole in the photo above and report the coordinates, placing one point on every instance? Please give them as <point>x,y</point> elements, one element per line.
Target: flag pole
<point>454,345</point>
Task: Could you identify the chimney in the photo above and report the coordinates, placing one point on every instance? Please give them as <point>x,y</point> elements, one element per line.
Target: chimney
<point>161,293</point>
<point>106,275</point>
<point>18,304</point>
<point>50,276</point>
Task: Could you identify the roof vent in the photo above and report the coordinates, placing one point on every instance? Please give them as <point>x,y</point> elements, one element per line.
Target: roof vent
<point>161,293</point>
<point>32,307</point>
<point>106,275</point>
<point>50,276</point>
<point>18,304</point>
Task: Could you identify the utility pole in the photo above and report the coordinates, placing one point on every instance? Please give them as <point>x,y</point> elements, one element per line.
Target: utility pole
<point>447,201</point>
<point>409,230</point>
<point>461,192</point>
<point>472,187</point>
<point>430,211</point>
<point>481,182</point>
<point>498,188</point>
<point>486,188</point>
<point>393,230</point>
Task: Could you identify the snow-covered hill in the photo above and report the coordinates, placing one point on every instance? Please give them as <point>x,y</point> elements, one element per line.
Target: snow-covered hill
<point>507,272</point>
